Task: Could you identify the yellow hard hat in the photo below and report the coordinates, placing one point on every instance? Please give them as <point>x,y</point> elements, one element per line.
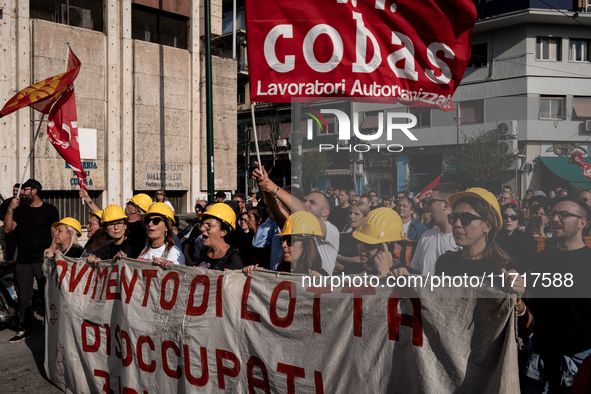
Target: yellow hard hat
<point>98,214</point>
<point>113,212</point>
<point>222,212</point>
<point>301,222</point>
<point>70,222</point>
<point>381,225</point>
<point>481,194</point>
<point>160,208</point>
<point>141,200</point>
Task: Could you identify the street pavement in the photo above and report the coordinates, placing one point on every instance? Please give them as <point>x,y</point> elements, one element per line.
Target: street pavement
<point>21,365</point>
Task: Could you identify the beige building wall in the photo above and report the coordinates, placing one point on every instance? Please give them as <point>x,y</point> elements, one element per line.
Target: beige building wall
<point>144,101</point>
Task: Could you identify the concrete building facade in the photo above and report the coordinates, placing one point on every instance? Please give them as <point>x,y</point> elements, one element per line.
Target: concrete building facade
<point>140,99</point>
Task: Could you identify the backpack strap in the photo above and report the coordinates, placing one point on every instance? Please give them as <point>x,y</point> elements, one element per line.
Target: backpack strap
<point>223,260</point>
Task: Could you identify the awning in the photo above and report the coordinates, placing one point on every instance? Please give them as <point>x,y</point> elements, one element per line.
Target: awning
<point>340,172</point>
<point>570,172</point>
<point>582,106</point>
<point>371,121</point>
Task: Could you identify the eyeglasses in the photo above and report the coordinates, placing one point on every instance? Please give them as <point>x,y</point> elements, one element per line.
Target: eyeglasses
<point>562,215</point>
<point>92,224</point>
<point>372,195</point>
<point>513,218</point>
<point>465,218</point>
<point>156,220</point>
<point>122,223</point>
<point>208,226</point>
<point>432,200</point>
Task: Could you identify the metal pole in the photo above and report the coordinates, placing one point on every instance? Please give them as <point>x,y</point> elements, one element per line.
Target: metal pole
<point>246,160</point>
<point>209,102</point>
<point>256,140</point>
<point>234,30</point>
<point>39,128</point>
<point>296,146</point>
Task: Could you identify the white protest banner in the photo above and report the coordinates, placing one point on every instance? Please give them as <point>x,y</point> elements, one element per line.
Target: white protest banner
<point>132,327</point>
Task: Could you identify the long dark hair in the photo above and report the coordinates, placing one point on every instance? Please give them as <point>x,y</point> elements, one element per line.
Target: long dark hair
<point>491,251</point>
<point>515,208</point>
<point>309,259</point>
<point>169,237</point>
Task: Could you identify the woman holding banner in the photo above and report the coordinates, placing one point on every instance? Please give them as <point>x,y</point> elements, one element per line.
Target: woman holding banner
<point>300,253</point>
<point>114,224</point>
<point>475,220</point>
<point>98,244</point>
<point>160,246</point>
<point>65,238</point>
<point>218,222</point>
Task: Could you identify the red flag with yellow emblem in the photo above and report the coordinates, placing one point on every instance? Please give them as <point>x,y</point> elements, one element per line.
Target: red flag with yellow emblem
<point>43,94</point>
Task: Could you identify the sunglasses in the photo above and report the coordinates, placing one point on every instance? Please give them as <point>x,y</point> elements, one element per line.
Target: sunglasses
<point>563,215</point>
<point>156,220</point>
<point>118,224</point>
<point>290,239</point>
<point>513,218</point>
<point>465,218</point>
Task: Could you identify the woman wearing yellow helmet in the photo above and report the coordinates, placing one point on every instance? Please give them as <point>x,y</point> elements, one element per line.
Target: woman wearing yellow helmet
<point>65,238</point>
<point>160,246</point>
<point>475,220</point>
<point>98,244</point>
<point>300,252</point>
<point>218,222</point>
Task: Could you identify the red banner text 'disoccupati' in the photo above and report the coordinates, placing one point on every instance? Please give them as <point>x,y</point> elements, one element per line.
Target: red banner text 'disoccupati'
<point>406,50</point>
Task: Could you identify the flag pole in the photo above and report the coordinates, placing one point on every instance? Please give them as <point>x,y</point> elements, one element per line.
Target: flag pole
<point>256,141</point>
<point>39,129</point>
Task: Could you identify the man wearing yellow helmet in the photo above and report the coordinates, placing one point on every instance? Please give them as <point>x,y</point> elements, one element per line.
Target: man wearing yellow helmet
<point>375,238</point>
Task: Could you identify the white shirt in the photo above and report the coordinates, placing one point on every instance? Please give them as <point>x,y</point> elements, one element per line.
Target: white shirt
<point>174,254</point>
<point>329,247</point>
<point>432,244</point>
<point>169,204</point>
<point>405,227</point>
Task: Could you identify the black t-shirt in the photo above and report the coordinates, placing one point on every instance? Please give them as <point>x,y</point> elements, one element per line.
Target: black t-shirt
<point>4,207</point>
<point>339,217</point>
<point>137,237</point>
<point>125,246</point>
<point>454,264</point>
<point>74,252</point>
<point>521,246</point>
<point>562,325</point>
<point>348,245</point>
<point>34,231</point>
<point>234,260</point>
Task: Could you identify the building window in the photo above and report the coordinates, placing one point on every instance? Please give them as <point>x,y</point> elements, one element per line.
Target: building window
<point>479,56</point>
<point>582,106</point>
<point>331,126</point>
<point>552,107</point>
<point>471,111</point>
<point>87,14</point>
<point>159,27</point>
<point>423,116</point>
<point>579,51</point>
<point>549,48</point>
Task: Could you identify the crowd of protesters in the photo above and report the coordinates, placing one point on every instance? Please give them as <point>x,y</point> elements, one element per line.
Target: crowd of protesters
<point>456,232</point>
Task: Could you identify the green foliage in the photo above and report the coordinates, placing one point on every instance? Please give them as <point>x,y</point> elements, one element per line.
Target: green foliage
<point>411,184</point>
<point>480,162</point>
<point>371,186</point>
<point>314,165</point>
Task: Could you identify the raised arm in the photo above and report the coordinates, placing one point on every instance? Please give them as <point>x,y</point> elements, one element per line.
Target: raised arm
<point>9,223</point>
<point>84,195</point>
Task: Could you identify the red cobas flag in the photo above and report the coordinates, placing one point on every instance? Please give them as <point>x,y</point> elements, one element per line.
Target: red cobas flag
<point>426,192</point>
<point>43,94</point>
<point>414,51</point>
<point>62,129</point>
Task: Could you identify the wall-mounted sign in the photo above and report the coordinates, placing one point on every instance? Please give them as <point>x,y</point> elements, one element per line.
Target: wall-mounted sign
<point>564,149</point>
